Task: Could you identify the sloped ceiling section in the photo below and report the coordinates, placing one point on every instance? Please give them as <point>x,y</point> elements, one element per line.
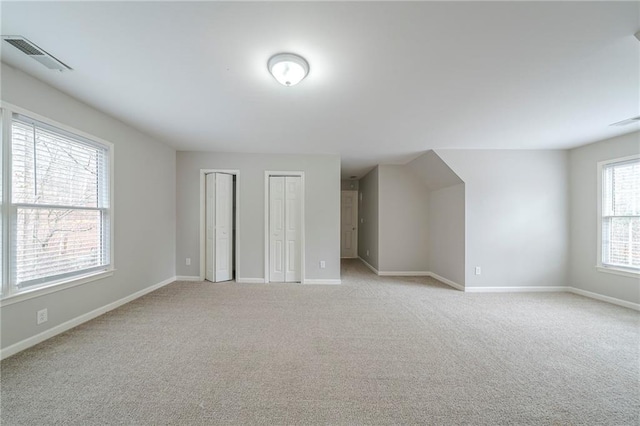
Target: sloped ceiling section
<point>433,171</point>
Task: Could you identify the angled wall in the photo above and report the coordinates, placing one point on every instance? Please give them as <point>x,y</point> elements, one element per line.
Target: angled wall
<point>447,233</point>
<point>517,213</point>
<point>412,219</point>
<point>445,216</point>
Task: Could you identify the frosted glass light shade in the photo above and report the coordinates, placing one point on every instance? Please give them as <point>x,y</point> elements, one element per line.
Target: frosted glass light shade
<point>288,69</point>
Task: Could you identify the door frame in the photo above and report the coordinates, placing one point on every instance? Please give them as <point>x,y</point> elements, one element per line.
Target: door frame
<point>357,224</point>
<point>267,175</point>
<point>203,220</point>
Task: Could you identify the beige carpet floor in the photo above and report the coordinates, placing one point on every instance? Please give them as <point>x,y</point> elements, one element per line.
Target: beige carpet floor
<point>375,350</point>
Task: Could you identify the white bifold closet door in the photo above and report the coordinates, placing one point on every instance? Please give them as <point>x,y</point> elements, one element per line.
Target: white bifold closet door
<point>285,210</point>
<point>219,212</point>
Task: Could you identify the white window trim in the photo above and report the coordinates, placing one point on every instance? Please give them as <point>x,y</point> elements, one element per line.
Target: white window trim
<point>10,293</point>
<point>52,287</point>
<point>629,272</point>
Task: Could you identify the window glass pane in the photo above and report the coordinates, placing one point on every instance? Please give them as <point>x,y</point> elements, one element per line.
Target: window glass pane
<point>621,214</point>
<point>625,184</point>
<point>621,241</point>
<point>2,248</point>
<point>53,169</point>
<point>52,242</point>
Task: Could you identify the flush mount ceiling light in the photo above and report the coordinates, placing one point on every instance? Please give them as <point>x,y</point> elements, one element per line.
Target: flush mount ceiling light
<point>289,69</point>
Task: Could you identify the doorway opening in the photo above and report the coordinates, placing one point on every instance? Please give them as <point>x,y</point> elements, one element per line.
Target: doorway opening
<point>349,224</point>
<point>219,225</point>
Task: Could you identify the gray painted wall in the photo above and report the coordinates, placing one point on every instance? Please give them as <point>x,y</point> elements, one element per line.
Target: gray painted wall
<point>322,209</point>
<point>402,228</point>
<point>447,233</point>
<point>583,222</point>
<point>516,216</point>
<point>368,217</point>
<point>432,171</point>
<point>144,210</point>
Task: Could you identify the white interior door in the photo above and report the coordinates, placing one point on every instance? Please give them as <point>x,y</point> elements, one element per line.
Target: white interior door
<point>219,227</point>
<point>285,229</point>
<point>293,211</point>
<point>276,229</point>
<point>224,227</point>
<point>210,209</point>
<point>349,224</point>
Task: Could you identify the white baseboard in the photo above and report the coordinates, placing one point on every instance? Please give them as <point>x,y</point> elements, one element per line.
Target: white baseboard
<point>413,274</point>
<point>447,281</point>
<point>375,271</point>
<point>250,280</point>
<point>61,328</point>
<point>566,289</point>
<point>525,289</point>
<point>603,298</point>
<point>404,273</point>
<point>395,273</point>
<point>188,278</point>
<point>322,281</point>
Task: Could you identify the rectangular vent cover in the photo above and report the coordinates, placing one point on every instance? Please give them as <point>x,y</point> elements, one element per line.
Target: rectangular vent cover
<point>33,51</point>
<point>24,46</point>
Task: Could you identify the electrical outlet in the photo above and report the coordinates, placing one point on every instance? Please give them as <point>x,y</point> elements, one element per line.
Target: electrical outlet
<point>188,261</point>
<point>42,316</point>
<point>367,252</point>
<point>322,264</point>
<point>361,220</point>
<point>478,270</point>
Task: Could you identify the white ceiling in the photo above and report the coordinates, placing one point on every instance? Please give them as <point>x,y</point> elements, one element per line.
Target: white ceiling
<point>387,81</point>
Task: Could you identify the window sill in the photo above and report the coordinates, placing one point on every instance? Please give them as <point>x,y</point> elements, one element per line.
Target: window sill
<point>618,271</point>
<point>54,287</point>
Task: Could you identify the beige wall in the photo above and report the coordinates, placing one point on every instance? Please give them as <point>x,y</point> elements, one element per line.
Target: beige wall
<point>322,209</point>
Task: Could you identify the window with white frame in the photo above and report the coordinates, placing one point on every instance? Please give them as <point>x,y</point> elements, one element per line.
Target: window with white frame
<point>57,205</point>
<point>619,214</point>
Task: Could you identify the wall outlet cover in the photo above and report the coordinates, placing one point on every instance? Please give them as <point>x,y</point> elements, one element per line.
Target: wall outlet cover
<point>42,316</point>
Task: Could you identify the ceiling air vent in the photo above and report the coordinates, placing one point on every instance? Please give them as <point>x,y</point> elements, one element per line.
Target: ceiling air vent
<point>33,51</point>
<point>627,121</point>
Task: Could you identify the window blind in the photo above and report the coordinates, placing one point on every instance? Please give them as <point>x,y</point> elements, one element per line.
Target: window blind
<point>60,201</point>
<point>621,214</point>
